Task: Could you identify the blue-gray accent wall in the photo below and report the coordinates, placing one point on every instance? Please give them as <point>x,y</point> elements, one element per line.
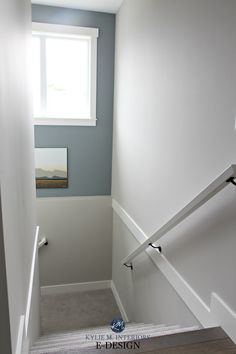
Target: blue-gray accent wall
<point>89,148</point>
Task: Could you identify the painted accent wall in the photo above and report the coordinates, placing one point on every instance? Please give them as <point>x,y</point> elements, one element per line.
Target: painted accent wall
<point>89,148</point>
<point>174,132</point>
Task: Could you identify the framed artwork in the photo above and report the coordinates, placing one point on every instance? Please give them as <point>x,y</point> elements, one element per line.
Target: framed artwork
<point>51,168</point>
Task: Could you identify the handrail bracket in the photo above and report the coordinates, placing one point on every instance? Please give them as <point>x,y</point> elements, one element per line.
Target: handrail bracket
<point>231,180</point>
<point>156,247</point>
<point>129,265</point>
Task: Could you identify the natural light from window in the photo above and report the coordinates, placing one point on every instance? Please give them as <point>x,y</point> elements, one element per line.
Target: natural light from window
<point>64,77</point>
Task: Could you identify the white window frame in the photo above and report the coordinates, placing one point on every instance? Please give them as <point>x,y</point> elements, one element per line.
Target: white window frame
<point>72,31</point>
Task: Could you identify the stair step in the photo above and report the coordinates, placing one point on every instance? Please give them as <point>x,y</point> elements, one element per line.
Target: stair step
<point>96,330</point>
<point>80,337</point>
<point>57,343</point>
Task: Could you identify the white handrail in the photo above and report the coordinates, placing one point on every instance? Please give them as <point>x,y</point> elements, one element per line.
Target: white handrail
<point>213,188</point>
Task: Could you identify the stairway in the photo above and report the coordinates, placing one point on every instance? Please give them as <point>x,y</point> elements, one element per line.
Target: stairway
<point>76,341</point>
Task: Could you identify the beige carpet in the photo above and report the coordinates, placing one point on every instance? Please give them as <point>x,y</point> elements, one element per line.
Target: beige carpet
<point>79,310</point>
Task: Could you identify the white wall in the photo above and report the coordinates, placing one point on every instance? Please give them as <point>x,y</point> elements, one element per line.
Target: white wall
<point>16,157</point>
<point>174,121</point>
<point>79,231</point>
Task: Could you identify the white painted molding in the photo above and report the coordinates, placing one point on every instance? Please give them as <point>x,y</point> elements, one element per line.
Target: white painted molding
<point>217,314</point>
<point>224,316</point>
<point>197,306</point>
<point>129,222</point>
<point>31,281</point>
<point>119,302</point>
<point>75,287</point>
<point>19,344</point>
<point>69,198</point>
<point>39,27</point>
<point>44,30</point>
<point>66,121</point>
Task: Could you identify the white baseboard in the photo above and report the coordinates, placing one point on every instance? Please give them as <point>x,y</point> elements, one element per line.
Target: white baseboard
<point>119,303</point>
<point>20,337</point>
<point>75,198</point>
<point>75,287</point>
<point>95,285</point>
<point>217,314</point>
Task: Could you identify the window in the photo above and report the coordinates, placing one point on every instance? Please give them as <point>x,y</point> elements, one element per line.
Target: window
<point>64,74</point>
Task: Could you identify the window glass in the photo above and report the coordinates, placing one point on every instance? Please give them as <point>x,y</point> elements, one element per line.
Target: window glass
<point>67,78</point>
<point>64,73</point>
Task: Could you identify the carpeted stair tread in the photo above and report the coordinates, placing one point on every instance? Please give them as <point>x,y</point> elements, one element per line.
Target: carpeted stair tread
<point>71,341</point>
<point>150,331</point>
<point>96,330</point>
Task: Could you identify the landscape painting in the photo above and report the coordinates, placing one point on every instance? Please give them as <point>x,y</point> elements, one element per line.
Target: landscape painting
<point>51,168</point>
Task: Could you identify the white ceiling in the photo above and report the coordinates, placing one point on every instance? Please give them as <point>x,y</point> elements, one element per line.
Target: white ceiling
<point>111,6</point>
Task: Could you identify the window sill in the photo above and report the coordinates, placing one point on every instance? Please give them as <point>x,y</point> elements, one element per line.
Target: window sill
<point>66,121</point>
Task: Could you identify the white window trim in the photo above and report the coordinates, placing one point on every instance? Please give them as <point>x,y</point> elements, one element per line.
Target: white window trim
<point>92,33</point>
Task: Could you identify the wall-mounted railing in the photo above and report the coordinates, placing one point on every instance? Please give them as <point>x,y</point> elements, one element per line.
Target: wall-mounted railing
<point>227,177</point>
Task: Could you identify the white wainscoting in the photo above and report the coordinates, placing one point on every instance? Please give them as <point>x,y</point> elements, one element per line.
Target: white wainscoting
<point>218,313</point>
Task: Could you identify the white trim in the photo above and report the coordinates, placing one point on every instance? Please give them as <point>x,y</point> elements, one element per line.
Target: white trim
<point>129,222</point>
<point>31,281</point>
<point>79,198</point>
<point>119,302</point>
<point>93,79</point>
<point>224,316</point>
<point>185,291</point>
<point>40,27</point>
<point>42,31</point>
<point>19,344</point>
<point>75,287</point>
<point>217,314</point>
<point>213,188</point>
<point>66,121</point>
<point>88,286</point>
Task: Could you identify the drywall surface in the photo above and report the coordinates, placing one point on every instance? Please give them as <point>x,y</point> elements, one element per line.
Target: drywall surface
<point>89,148</point>
<point>16,157</point>
<point>145,293</point>
<point>79,231</point>
<point>174,118</point>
